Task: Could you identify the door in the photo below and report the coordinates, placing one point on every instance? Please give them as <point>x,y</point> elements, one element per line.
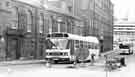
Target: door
<point>13,52</point>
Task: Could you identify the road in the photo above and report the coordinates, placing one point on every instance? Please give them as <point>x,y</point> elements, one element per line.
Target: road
<point>63,70</point>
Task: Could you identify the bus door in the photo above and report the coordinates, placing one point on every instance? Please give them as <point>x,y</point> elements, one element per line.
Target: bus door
<point>72,50</point>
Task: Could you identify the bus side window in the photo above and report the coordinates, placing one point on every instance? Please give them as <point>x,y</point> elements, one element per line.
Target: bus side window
<point>89,45</point>
<point>81,44</point>
<point>97,46</point>
<point>76,44</point>
<point>93,46</point>
<point>85,44</point>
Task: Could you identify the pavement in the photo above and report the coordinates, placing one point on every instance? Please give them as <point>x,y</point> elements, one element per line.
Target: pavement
<point>23,62</point>
<point>59,70</point>
<point>20,62</point>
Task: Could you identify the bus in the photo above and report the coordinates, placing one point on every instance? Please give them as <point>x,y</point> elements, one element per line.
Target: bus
<point>125,49</point>
<point>67,47</point>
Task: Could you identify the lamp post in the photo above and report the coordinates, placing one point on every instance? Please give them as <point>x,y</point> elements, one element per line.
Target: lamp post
<point>59,20</point>
<point>101,38</point>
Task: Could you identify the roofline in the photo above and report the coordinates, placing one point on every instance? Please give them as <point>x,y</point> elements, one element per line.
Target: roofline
<point>125,24</point>
<point>31,5</point>
<point>51,9</point>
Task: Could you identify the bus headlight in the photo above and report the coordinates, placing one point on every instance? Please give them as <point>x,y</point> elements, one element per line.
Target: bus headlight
<point>47,53</point>
<point>65,54</point>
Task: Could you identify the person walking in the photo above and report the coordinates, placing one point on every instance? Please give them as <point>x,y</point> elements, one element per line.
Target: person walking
<point>92,59</point>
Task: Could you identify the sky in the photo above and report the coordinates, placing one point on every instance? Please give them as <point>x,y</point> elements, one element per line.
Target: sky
<point>124,9</point>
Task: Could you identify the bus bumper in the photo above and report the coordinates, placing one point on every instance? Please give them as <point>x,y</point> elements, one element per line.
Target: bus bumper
<point>58,59</point>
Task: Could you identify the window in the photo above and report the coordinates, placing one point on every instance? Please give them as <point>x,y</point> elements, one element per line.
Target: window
<point>13,25</point>
<point>81,44</point>
<point>70,8</point>
<point>76,44</point>
<point>85,44</point>
<point>89,45</point>
<point>7,4</point>
<point>0,4</point>
<point>57,35</point>
<point>41,23</point>
<point>29,21</point>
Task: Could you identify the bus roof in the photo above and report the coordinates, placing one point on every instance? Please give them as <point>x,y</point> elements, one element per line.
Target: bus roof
<point>74,37</point>
<point>84,38</point>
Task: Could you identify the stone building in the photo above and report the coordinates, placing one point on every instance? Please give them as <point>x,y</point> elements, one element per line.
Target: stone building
<point>25,24</point>
<point>24,33</point>
<point>124,33</point>
<point>22,29</point>
<point>98,18</point>
<point>6,17</point>
<point>64,10</point>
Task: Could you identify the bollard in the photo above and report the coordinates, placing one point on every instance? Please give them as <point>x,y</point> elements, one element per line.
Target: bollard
<point>74,64</point>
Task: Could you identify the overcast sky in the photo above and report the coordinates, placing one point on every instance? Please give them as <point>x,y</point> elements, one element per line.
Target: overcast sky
<point>124,8</point>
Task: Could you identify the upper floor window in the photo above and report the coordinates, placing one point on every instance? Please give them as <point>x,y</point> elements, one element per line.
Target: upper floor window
<point>70,8</point>
<point>7,4</point>
<point>29,21</point>
<point>41,23</point>
<point>0,4</point>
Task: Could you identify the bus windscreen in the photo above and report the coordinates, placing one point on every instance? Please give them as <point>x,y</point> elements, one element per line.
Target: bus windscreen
<point>57,43</point>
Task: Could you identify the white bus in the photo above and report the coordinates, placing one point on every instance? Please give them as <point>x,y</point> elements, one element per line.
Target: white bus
<point>126,49</point>
<point>70,47</point>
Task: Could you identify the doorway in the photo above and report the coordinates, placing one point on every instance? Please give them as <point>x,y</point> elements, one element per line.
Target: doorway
<point>13,52</point>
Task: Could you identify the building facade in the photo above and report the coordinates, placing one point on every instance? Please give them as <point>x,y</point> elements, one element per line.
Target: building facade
<point>98,18</point>
<point>124,33</point>
<point>64,10</point>
<point>24,33</point>
<point>6,17</point>
<point>22,36</point>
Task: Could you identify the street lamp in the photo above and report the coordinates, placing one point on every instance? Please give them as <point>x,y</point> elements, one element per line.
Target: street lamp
<point>101,38</point>
<point>59,20</point>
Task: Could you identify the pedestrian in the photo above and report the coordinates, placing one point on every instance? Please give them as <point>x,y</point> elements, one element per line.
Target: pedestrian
<point>122,61</point>
<point>92,58</point>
